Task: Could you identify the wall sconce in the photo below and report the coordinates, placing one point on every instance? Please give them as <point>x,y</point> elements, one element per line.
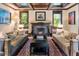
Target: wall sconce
<point>15,16</point>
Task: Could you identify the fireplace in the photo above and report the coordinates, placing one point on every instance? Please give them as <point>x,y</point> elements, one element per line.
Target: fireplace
<point>41,30</point>
<point>40,27</point>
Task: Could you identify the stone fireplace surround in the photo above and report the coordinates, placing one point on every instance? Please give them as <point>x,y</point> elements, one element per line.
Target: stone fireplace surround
<point>40,27</point>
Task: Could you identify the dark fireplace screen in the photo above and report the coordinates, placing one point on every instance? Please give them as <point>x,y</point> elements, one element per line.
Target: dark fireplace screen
<point>43,29</point>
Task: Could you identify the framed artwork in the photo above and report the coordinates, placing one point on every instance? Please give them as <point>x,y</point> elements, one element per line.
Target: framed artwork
<point>72,18</point>
<point>5,16</point>
<point>40,16</point>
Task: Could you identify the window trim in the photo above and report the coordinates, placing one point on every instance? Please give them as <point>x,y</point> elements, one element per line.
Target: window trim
<point>56,12</point>
<point>27,16</point>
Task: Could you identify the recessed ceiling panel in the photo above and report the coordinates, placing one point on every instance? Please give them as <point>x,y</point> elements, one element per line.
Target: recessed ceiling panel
<point>57,5</point>
<point>22,5</point>
<point>40,5</point>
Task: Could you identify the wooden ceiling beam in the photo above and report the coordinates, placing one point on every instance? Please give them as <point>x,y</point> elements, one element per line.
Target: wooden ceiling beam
<point>48,6</point>
<point>9,6</point>
<point>32,6</point>
<point>15,5</point>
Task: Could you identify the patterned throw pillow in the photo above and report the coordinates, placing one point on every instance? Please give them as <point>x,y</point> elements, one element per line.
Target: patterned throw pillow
<point>77,37</point>
<point>73,35</point>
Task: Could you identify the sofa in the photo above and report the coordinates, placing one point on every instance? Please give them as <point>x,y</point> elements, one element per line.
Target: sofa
<point>16,43</point>
<point>15,48</point>
<point>63,40</point>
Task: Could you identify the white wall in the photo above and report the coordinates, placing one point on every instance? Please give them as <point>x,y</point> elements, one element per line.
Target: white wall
<point>9,27</point>
<point>32,18</point>
<point>71,28</point>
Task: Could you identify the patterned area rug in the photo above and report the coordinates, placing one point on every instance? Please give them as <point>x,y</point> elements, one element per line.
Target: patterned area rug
<point>53,49</point>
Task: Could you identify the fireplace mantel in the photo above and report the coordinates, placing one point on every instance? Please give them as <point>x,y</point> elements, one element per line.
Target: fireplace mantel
<point>40,22</point>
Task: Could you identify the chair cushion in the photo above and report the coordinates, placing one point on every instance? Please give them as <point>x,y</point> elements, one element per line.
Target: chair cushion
<point>10,36</point>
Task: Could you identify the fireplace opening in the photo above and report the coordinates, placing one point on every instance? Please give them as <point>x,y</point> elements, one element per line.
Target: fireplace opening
<point>40,27</point>
<point>41,30</point>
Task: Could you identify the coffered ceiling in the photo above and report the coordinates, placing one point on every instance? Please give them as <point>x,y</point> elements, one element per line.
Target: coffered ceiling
<point>40,5</point>
<point>22,5</point>
<point>37,6</point>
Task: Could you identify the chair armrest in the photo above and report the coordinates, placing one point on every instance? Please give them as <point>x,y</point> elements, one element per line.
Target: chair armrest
<point>1,53</point>
<point>73,47</point>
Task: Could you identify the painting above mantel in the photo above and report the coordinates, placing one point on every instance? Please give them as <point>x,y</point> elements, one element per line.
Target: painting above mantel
<point>40,16</point>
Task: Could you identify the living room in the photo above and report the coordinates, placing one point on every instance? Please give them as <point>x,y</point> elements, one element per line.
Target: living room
<point>58,22</point>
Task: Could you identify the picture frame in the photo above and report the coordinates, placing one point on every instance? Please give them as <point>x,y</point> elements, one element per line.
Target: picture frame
<point>5,16</point>
<point>71,20</point>
<point>40,16</point>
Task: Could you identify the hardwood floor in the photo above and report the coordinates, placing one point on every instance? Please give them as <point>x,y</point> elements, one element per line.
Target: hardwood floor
<point>53,49</point>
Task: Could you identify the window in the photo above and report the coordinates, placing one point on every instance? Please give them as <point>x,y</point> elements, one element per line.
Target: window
<point>57,18</point>
<point>24,19</point>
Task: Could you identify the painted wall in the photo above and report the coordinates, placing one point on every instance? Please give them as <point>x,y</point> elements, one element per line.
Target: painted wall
<point>32,18</point>
<point>71,28</point>
<point>14,19</point>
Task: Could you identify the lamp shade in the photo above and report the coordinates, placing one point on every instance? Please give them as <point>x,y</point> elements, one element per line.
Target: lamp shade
<point>20,27</point>
<point>60,25</point>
